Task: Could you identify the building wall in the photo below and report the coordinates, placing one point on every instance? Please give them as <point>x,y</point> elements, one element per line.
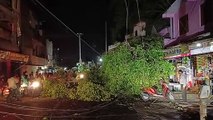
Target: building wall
<point>7,26</point>
<point>20,37</point>
<point>193,10</point>
<point>32,42</point>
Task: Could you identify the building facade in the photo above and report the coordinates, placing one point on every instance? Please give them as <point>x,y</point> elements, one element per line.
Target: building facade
<point>188,40</point>
<point>22,44</point>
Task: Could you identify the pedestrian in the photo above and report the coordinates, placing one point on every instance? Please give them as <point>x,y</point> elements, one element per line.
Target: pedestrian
<point>182,78</point>
<point>24,78</point>
<point>13,87</point>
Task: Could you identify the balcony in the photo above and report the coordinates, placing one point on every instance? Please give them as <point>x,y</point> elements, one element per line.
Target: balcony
<point>34,60</point>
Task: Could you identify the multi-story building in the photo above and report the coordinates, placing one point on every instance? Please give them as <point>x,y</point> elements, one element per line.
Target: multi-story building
<point>188,40</point>
<point>22,45</point>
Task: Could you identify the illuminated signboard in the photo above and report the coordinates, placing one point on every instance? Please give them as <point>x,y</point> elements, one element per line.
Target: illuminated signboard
<point>177,51</point>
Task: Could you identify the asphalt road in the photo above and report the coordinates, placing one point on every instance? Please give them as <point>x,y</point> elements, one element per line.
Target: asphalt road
<point>60,109</point>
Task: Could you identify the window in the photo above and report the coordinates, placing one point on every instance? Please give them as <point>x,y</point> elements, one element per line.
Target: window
<point>202,14</point>
<point>136,33</point>
<point>183,25</point>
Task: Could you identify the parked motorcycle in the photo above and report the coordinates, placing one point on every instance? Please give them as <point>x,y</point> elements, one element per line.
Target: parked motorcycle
<point>151,93</point>
<point>4,91</point>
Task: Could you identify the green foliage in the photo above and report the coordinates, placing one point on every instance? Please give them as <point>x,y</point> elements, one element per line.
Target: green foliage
<point>72,94</point>
<point>137,64</point>
<point>95,76</point>
<point>89,91</point>
<point>55,89</point>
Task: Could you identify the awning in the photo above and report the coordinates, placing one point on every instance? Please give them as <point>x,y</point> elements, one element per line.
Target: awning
<point>7,55</point>
<point>178,56</point>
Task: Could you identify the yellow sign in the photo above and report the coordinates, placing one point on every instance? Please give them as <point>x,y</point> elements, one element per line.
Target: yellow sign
<point>177,50</point>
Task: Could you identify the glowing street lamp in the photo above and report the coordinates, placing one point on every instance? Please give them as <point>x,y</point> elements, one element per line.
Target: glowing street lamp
<point>101,60</point>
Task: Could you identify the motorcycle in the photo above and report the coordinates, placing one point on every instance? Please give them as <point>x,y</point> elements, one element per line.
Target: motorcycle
<point>35,88</point>
<point>151,93</point>
<point>13,95</point>
<point>4,91</point>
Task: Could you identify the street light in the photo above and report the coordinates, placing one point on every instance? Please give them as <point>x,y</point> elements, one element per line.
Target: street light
<point>101,60</point>
<point>79,38</point>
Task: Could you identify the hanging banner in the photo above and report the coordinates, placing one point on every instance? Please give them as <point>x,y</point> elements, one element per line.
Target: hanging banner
<point>18,57</point>
<point>6,55</point>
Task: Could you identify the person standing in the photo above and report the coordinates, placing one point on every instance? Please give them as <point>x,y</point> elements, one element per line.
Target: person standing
<point>182,78</point>
<point>13,87</point>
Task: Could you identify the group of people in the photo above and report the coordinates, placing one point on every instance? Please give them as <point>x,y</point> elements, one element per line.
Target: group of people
<point>14,83</point>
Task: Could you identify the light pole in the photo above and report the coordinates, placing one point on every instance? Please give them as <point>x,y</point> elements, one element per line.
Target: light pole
<point>79,37</point>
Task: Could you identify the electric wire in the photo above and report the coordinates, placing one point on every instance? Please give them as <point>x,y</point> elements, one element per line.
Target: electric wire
<point>74,115</point>
<point>39,3</point>
<point>71,116</point>
<point>22,107</point>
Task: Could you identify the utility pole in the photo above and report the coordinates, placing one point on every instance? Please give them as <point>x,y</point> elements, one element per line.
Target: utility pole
<point>106,46</point>
<point>79,39</point>
<point>127,19</point>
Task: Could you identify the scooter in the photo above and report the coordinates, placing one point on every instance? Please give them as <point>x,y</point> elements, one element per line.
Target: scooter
<point>151,93</point>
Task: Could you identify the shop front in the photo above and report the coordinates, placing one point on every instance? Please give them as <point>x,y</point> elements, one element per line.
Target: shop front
<point>202,56</point>
<point>10,63</point>
<point>181,58</point>
<point>35,65</point>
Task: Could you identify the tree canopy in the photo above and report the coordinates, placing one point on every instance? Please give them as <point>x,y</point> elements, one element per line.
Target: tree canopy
<point>135,65</point>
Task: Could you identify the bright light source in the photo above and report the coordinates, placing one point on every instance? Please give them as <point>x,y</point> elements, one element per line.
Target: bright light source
<point>35,84</point>
<point>100,59</point>
<point>198,44</point>
<point>81,76</point>
<point>44,67</point>
<point>23,85</point>
<point>65,68</point>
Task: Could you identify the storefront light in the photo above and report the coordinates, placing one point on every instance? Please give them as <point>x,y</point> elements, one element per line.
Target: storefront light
<point>65,68</point>
<point>198,44</point>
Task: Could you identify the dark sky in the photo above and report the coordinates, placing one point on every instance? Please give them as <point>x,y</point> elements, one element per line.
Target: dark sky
<point>85,16</point>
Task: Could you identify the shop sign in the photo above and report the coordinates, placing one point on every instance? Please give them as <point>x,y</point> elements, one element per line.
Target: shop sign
<point>177,51</point>
<point>3,54</point>
<point>202,50</point>
<point>17,57</point>
<point>6,55</point>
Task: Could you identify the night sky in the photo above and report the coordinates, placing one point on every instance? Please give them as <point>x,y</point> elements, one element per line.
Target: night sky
<point>85,16</point>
